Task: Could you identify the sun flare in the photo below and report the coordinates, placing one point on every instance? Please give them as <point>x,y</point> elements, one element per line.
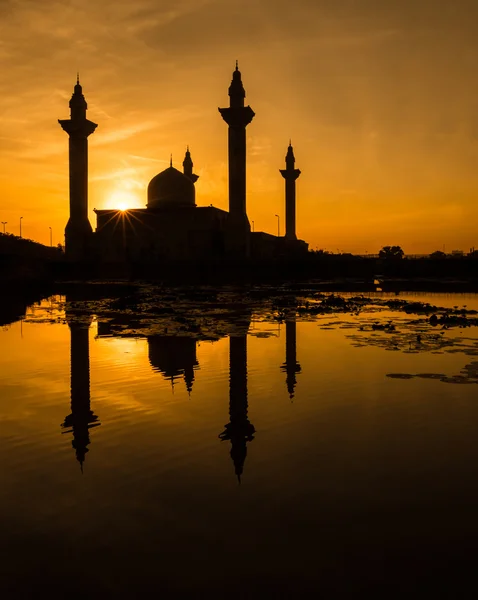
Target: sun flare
<point>122,200</point>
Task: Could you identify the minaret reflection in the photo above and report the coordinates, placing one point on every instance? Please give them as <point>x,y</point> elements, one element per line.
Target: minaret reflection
<point>239,430</point>
<point>81,419</point>
<point>291,366</point>
<point>173,356</point>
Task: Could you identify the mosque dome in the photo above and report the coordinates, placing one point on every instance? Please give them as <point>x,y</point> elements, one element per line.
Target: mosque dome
<point>171,189</point>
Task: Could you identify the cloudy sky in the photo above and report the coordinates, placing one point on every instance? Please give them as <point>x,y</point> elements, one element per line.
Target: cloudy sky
<point>379,97</point>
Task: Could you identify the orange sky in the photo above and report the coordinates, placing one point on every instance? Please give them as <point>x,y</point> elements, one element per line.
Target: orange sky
<point>380,99</point>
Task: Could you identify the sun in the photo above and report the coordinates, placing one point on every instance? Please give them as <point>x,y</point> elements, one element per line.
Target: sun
<point>122,200</point>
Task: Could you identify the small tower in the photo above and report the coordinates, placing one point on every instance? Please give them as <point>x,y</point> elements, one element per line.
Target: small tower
<point>237,116</point>
<point>291,367</point>
<point>78,230</point>
<point>81,419</point>
<point>188,167</point>
<point>290,174</point>
<point>239,430</point>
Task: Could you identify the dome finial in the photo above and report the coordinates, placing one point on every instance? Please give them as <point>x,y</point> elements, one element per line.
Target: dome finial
<point>77,78</point>
<point>237,65</point>
<point>171,160</point>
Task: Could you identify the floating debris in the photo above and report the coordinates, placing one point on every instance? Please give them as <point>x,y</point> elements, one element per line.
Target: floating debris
<point>468,375</point>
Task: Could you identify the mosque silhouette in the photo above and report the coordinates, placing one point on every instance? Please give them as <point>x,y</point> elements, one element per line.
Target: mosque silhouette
<point>174,357</point>
<point>172,227</point>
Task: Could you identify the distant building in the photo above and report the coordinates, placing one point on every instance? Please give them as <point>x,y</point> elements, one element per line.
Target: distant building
<point>172,227</point>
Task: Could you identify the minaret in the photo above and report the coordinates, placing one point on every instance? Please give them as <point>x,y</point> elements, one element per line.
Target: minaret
<point>290,174</point>
<point>81,419</point>
<point>237,116</point>
<point>239,430</point>
<point>291,367</point>
<point>78,230</point>
<point>188,167</point>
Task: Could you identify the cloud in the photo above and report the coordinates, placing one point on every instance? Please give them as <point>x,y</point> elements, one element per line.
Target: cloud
<point>122,133</point>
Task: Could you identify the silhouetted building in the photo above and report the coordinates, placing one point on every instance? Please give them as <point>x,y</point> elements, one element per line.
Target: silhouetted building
<point>291,367</point>
<point>239,430</point>
<point>81,419</point>
<point>238,117</point>
<point>78,232</point>
<point>290,174</point>
<point>172,227</point>
<point>174,357</point>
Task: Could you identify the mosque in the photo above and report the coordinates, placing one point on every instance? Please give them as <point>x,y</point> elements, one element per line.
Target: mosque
<point>173,227</point>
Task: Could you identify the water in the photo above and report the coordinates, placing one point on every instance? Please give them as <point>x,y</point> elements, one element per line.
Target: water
<point>245,457</point>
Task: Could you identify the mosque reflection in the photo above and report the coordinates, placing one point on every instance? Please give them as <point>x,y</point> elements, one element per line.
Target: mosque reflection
<point>291,367</point>
<point>175,357</point>
<point>239,430</point>
<point>81,419</point>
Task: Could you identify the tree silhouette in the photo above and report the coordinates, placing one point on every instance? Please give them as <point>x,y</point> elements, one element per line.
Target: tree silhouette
<point>438,254</point>
<point>391,253</point>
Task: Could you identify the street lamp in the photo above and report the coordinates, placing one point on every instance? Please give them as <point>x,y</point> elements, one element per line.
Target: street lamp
<point>4,223</point>
<point>278,225</point>
<point>21,226</point>
<point>51,236</point>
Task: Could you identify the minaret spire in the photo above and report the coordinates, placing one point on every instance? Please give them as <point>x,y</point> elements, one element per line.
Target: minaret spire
<point>237,116</point>
<point>188,166</point>
<point>290,174</point>
<point>78,231</point>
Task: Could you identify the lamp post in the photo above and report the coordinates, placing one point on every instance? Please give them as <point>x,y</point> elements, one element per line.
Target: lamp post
<point>4,223</point>
<point>21,226</point>
<point>51,236</point>
<point>278,225</point>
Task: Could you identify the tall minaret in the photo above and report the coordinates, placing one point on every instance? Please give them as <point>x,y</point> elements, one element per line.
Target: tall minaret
<point>237,116</point>
<point>291,367</point>
<point>78,229</point>
<point>290,174</point>
<point>239,430</point>
<point>188,167</point>
<point>81,419</point>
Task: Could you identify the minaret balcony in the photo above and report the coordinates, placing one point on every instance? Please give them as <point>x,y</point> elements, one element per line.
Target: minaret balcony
<point>236,116</point>
<point>82,128</point>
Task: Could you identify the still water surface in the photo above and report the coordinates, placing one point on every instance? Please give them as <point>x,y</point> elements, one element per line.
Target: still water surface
<point>265,459</point>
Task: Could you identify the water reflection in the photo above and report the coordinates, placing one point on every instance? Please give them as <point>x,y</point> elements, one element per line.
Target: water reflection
<point>291,367</point>
<point>81,419</point>
<point>401,485</point>
<point>239,430</point>
<point>174,356</point>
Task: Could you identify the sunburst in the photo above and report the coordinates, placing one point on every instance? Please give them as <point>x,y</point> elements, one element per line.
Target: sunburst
<point>122,200</point>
